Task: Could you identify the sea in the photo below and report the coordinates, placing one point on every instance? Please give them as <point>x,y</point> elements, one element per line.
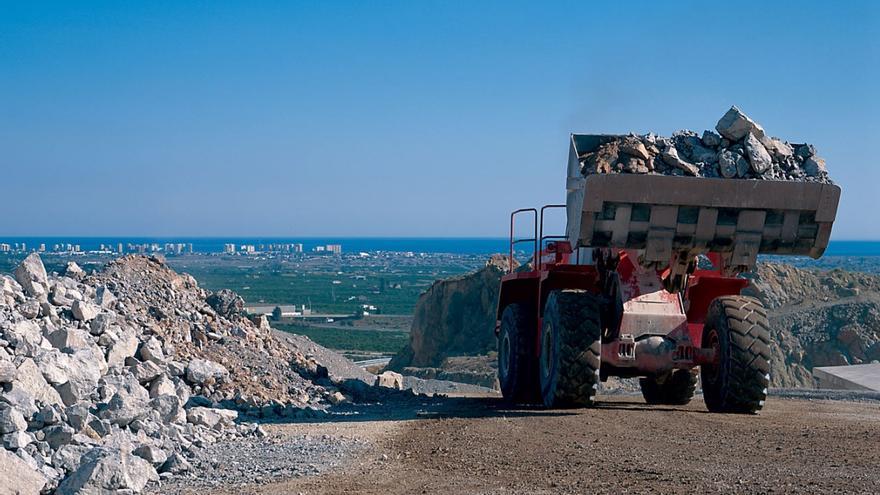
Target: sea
<point>451,245</point>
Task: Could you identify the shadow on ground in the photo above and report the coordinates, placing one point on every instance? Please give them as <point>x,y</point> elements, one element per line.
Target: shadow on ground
<point>414,408</point>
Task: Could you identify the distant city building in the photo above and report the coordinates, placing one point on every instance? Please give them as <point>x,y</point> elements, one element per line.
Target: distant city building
<point>5,248</point>
<point>174,248</point>
<point>42,248</point>
<point>229,248</point>
<point>119,248</point>
<point>297,248</point>
<point>319,249</point>
<point>334,248</point>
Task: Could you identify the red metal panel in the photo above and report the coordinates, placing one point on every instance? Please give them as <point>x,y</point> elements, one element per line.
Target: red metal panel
<point>704,287</point>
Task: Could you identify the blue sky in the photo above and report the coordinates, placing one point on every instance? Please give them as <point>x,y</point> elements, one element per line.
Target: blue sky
<point>397,118</point>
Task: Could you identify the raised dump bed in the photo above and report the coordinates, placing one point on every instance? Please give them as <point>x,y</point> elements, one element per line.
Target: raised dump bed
<point>665,214</point>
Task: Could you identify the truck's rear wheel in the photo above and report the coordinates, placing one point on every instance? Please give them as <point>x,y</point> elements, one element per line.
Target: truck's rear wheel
<point>571,346</point>
<point>517,372</point>
<point>737,328</point>
<point>676,388</point>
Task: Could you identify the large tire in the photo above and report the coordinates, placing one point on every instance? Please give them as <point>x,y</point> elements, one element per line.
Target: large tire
<point>676,388</point>
<point>738,329</point>
<point>571,347</point>
<point>517,368</point>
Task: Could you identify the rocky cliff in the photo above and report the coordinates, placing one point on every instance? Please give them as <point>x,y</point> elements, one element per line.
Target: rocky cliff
<point>819,318</point>
<point>454,317</point>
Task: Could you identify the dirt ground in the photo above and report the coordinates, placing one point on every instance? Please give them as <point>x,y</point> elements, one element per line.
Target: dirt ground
<point>477,446</point>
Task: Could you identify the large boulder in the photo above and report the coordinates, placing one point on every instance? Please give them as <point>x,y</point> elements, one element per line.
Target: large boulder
<point>85,368</point>
<point>145,371</point>
<point>201,371</point>
<point>129,400</point>
<point>74,271</point>
<point>68,338</point>
<point>670,157</point>
<point>210,417</point>
<point>30,380</point>
<point>8,371</point>
<point>25,336</point>
<point>169,408</point>
<point>453,317</point>
<point>20,399</point>
<point>54,365</point>
<point>226,303</point>
<point>11,420</point>
<point>108,470</point>
<point>122,409</point>
<point>152,454</point>
<point>390,379</point>
<point>124,347</point>
<point>31,274</point>
<point>757,154</point>
<point>17,477</point>
<point>17,440</point>
<point>735,125</point>
<point>162,385</point>
<point>84,310</point>
<point>151,350</point>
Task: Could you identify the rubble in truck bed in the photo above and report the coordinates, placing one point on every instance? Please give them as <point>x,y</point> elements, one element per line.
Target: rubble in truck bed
<point>112,379</point>
<point>740,149</point>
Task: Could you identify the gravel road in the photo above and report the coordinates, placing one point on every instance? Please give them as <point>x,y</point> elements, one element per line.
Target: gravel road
<point>475,445</point>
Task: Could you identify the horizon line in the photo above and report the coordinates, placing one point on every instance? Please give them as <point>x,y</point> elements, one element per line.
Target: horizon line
<point>463,237</point>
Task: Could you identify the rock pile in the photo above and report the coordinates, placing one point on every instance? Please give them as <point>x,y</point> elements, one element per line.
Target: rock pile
<point>740,149</point>
<point>111,380</point>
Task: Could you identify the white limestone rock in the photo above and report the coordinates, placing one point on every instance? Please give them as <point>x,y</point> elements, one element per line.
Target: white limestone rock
<point>84,311</point>
<point>201,371</point>
<point>108,470</point>
<point>11,420</point>
<point>30,379</point>
<point>74,271</point>
<point>17,477</point>
<point>31,274</point>
<point>735,125</point>
<point>757,155</point>
<point>210,417</point>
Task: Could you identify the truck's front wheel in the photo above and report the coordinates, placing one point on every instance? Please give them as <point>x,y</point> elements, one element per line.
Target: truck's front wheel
<point>738,330</point>
<point>571,346</point>
<point>517,372</point>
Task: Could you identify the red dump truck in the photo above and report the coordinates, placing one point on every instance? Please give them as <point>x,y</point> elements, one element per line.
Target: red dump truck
<point>646,282</point>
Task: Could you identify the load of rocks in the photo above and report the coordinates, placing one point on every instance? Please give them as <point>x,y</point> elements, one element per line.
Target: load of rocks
<point>114,379</point>
<point>740,149</point>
